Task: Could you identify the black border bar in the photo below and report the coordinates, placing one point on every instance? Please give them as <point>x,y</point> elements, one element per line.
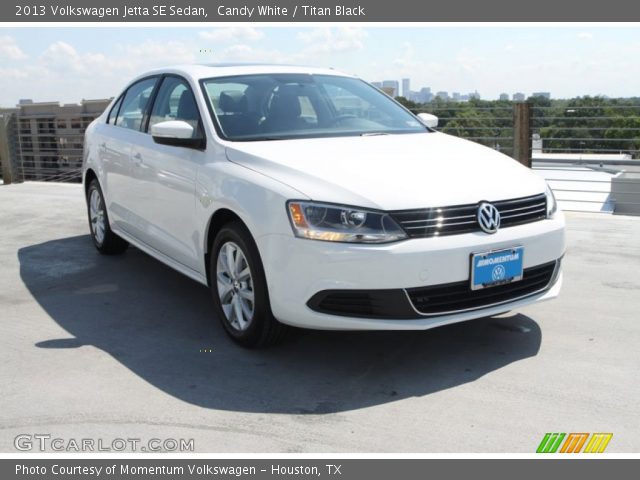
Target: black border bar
<point>585,468</point>
<point>302,11</point>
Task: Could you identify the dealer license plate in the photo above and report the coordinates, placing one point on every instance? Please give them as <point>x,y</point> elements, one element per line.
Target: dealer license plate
<point>497,267</point>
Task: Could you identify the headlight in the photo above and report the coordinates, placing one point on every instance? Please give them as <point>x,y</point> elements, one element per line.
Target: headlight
<point>337,223</point>
<point>552,205</point>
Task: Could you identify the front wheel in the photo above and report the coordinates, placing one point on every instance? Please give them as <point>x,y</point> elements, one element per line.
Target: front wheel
<point>239,289</point>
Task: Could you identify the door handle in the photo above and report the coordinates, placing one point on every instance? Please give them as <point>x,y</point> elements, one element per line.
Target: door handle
<point>103,146</point>
<point>137,158</point>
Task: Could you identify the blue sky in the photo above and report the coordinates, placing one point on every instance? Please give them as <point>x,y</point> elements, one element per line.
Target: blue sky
<point>68,64</point>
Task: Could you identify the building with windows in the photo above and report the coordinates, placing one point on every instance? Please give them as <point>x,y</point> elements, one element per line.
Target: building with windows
<point>406,87</point>
<point>425,95</point>
<point>391,84</point>
<point>45,139</point>
<point>546,95</point>
<point>518,97</point>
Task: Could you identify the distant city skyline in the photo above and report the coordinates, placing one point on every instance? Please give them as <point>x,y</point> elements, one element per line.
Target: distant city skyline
<point>68,64</point>
<point>423,95</point>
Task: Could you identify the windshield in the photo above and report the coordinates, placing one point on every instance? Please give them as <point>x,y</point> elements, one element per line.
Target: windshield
<point>285,106</point>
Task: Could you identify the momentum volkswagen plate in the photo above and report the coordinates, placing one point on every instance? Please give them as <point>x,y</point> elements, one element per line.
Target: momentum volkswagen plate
<point>497,267</point>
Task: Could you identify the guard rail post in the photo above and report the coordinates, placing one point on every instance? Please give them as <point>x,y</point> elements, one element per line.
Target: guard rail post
<point>5,154</point>
<point>522,133</point>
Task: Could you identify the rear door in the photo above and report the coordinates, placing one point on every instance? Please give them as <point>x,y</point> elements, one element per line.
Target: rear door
<point>113,156</point>
<point>122,176</point>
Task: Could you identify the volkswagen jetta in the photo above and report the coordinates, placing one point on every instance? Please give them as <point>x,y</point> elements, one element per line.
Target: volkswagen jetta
<point>307,197</point>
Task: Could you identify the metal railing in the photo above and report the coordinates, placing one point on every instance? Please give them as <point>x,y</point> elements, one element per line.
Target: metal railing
<point>490,126</point>
<point>589,155</point>
<point>589,129</point>
<point>51,174</point>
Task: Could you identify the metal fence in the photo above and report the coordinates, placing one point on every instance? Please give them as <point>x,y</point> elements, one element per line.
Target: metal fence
<point>589,155</point>
<point>610,129</point>
<point>490,126</point>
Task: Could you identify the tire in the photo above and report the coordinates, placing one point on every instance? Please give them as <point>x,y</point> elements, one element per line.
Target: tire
<point>107,242</point>
<point>239,289</point>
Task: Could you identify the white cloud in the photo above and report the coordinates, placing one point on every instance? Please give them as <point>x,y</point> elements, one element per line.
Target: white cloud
<point>333,40</point>
<point>156,54</point>
<point>62,57</point>
<point>407,59</point>
<point>75,68</point>
<point>62,71</point>
<point>14,73</point>
<point>408,64</point>
<point>232,34</point>
<point>9,49</point>
<point>469,61</point>
<point>246,53</point>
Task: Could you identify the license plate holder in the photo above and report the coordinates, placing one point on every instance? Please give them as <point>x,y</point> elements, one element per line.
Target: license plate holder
<point>496,267</point>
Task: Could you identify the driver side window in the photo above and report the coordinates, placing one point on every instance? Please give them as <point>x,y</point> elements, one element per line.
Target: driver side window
<point>175,101</point>
<point>134,104</point>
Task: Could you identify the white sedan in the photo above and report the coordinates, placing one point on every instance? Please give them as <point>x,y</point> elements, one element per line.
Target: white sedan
<point>306,197</point>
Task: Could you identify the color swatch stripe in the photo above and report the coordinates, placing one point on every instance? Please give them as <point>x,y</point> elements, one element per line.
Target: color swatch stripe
<point>574,442</point>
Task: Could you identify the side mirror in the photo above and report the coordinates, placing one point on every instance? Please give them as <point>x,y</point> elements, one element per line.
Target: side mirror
<point>428,120</point>
<point>177,133</point>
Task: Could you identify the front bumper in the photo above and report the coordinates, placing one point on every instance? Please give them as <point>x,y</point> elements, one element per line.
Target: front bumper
<point>299,269</point>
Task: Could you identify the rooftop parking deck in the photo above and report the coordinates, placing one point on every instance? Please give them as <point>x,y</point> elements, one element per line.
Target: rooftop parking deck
<point>124,347</point>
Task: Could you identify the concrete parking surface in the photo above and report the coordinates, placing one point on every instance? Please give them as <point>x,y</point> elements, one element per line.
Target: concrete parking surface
<point>118,347</point>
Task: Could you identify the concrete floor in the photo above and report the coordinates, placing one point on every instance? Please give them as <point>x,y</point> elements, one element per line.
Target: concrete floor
<point>109,348</point>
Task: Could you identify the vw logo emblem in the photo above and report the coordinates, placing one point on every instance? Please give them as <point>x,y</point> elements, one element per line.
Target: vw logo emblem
<point>488,217</point>
<point>498,273</point>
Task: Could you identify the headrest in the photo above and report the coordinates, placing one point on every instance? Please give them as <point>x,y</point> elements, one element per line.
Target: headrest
<point>286,103</point>
<point>187,109</point>
<point>233,101</point>
<point>142,101</point>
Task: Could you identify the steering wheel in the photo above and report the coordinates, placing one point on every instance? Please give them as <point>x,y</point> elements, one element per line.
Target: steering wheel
<point>340,118</point>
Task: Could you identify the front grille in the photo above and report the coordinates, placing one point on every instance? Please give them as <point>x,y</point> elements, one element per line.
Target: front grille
<point>432,222</point>
<point>458,296</point>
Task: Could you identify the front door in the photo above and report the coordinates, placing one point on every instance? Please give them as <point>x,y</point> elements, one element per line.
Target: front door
<point>169,174</point>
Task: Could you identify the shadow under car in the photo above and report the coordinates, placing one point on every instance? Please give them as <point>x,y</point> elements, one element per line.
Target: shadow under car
<point>161,326</point>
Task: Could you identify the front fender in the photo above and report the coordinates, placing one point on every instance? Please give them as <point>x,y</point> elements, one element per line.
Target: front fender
<point>259,201</point>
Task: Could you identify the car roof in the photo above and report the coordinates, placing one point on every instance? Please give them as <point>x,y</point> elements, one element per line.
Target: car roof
<point>200,71</point>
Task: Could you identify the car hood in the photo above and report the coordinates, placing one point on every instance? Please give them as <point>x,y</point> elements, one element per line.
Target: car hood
<point>390,172</point>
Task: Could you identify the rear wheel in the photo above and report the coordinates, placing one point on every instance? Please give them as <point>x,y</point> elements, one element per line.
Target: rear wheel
<point>239,289</point>
<point>103,237</point>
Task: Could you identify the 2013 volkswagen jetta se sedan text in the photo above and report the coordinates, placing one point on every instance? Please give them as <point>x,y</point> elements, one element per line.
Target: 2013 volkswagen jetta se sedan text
<point>307,197</point>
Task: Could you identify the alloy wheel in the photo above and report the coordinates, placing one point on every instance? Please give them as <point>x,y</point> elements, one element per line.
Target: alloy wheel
<point>235,286</point>
<point>97,216</point>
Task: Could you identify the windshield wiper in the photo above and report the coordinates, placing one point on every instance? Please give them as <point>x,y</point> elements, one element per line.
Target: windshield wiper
<point>373,134</point>
<point>260,139</point>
